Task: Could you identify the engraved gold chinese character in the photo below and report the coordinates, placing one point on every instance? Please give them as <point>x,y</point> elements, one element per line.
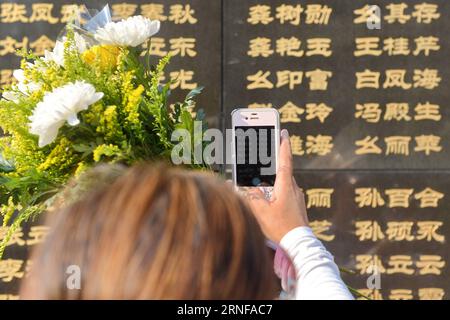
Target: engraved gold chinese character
<point>320,227</point>
<point>427,78</point>
<point>431,293</point>
<point>319,197</point>
<point>318,79</point>
<point>42,12</point>
<point>429,198</point>
<point>260,47</point>
<point>259,81</point>
<point>367,79</point>
<point>13,12</point>
<point>398,145</point>
<point>320,111</point>
<point>401,294</point>
<point>69,12</point>
<point>427,144</point>
<point>319,47</point>
<point>260,14</point>
<point>297,145</point>
<point>368,197</point>
<point>10,45</point>
<point>153,11</point>
<point>180,14</point>
<point>37,234</point>
<point>373,294</point>
<point>157,46</point>
<point>397,46</point>
<point>15,239</point>
<point>426,12</point>
<point>367,146</point>
<point>400,230</point>
<point>428,231</point>
<point>364,14</point>
<point>400,264</point>
<point>368,230</point>
<point>427,111</point>
<point>397,111</point>
<point>397,13</point>
<point>289,78</point>
<point>290,113</point>
<point>289,47</point>
<point>426,44</point>
<point>123,10</point>
<point>289,13</point>
<point>367,46</point>
<point>369,112</point>
<point>182,79</point>
<point>366,264</point>
<point>399,197</point>
<point>320,144</point>
<point>317,14</point>
<point>430,264</point>
<point>183,47</point>
<point>396,78</point>
<point>10,269</point>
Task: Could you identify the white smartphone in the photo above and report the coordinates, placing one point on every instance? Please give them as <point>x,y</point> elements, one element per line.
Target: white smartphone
<point>256,141</point>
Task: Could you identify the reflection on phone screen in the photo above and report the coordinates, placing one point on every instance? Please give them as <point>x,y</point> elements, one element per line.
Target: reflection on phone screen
<point>254,151</point>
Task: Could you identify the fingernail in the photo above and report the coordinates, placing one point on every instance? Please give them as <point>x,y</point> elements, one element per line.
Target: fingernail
<point>284,134</point>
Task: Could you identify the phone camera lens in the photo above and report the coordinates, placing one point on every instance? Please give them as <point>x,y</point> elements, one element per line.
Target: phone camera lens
<point>246,118</point>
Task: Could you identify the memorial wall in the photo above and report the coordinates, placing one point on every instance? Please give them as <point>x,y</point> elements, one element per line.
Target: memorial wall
<point>365,102</point>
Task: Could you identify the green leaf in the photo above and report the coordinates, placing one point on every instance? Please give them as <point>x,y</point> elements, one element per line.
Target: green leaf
<point>5,168</point>
<point>177,112</point>
<point>186,121</point>
<point>82,147</point>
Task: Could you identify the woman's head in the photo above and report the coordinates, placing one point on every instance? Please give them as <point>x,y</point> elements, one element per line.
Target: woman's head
<point>155,233</point>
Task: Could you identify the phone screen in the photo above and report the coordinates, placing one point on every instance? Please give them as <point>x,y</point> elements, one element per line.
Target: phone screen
<point>255,155</point>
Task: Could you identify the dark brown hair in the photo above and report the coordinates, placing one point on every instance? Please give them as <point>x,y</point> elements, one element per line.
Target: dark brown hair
<point>155,233</point>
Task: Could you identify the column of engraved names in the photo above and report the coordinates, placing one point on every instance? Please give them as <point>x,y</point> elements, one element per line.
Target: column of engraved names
<point>426,231</point>
<point>426,81</point>
<point>268,49</point>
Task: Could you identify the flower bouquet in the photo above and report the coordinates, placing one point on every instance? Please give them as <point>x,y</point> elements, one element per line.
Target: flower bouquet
<point>91,100</point>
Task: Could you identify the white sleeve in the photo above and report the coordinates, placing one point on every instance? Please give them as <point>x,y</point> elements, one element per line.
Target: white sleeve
<point>317,276</point>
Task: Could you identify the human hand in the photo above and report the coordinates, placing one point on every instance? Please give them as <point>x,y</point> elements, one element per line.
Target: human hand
<point>286,209</point>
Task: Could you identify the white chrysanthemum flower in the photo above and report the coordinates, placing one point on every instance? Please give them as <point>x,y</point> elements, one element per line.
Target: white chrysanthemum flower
<point>57,55</point>
<point>11,96</point>
<point>59,106</point>
<point>22,86</point>
<point>131,32</point>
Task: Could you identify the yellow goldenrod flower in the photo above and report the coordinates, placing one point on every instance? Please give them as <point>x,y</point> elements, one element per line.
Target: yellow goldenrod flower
<point>106,150</point>
<point>105,56</point>
<point>61,157</point>
<point>7,210</point>
<point>81,168</point>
